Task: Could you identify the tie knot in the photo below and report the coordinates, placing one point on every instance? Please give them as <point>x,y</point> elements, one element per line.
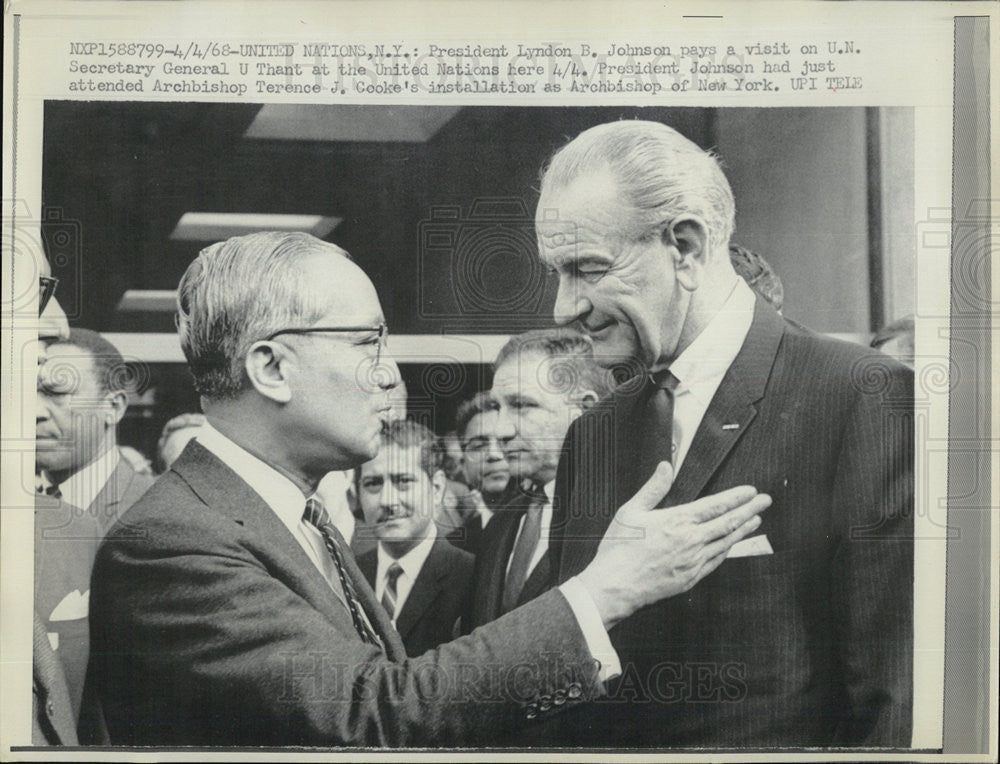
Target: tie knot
<point>665,380</point>
<point>394,572</point>
<point>315,513</point>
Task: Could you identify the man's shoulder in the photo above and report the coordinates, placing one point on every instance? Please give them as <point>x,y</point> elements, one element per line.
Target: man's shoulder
<point>860,370</point>
<point>458,561</point>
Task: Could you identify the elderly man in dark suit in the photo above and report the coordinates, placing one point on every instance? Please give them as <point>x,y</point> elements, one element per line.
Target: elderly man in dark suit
<point>421,580</point>
<point>64,548</point>
<point>542,381</point>
<point>803,637</point>
<point>232,611</point>
<point>82,397</point>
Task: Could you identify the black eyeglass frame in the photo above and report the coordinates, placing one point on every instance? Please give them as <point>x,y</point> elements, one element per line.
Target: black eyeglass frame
<point>46,290</point>
<point>382,329</point>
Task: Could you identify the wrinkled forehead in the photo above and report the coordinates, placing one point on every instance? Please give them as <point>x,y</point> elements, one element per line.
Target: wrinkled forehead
<point>67,369</point>
<point>590,212</point>
<point>526,372</point>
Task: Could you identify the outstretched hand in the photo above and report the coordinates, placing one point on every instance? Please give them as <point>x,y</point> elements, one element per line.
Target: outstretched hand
<point>648,555</point>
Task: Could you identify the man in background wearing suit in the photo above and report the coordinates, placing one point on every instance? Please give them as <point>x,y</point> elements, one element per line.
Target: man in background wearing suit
<point>803,637</point>
<point>233,613</point>
<point>64,549</point>
<point>484,465</point>
<point>542,381</point>
<point>82,397</point>
<point>421,580</point>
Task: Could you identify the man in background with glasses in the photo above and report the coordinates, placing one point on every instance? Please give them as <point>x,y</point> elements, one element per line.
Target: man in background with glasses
<point>233,613</point>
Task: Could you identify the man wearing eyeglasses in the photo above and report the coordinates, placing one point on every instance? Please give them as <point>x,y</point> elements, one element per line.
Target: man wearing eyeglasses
<point>233,612</point>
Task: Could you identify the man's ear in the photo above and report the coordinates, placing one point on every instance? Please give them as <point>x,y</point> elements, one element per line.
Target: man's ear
<point>587,399</point>
<point>118,403</point>
<point>440,482</point>
<point>687,237</point>
<point>267,367</point>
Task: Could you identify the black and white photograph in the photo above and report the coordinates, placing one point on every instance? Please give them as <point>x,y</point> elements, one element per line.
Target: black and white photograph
<point>291,244</point>
<point>461,424</point>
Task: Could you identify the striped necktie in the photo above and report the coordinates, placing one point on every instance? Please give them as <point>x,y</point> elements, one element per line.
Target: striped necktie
<point>389,595</point>
<point>317,516</point>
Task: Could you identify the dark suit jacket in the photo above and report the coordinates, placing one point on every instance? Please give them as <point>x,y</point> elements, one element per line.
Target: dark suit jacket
<point>66,540</point>
<point>809,646</point>
<point>438,598</point>
<point>123,489</point>
<point>211,626</point>
<point>53,721</point>
<point>496,547</point>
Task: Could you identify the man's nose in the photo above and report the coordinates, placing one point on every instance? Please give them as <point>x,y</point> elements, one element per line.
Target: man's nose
<point>506,429</point>
<point>493,451</point>
<point>389,495</point>
<point>388,375</point>
<point>570,302</point>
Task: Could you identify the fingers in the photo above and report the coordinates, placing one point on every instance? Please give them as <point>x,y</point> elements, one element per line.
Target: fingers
<point>653,491</point>
<point>710,507</point>
<point>723,526</point>
<point>720,547</point>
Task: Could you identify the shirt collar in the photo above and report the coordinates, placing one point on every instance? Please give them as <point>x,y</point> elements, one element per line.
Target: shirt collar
<point>277,491</point>
<point>712,352</point>
<point>412,561</point>
<point>81,488</point>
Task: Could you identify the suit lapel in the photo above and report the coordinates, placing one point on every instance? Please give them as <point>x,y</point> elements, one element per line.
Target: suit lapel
<point>224,491</point>
<point>538,581</point>
<point>426,589</point>
<point>732,408</point>
<point>497,544</point>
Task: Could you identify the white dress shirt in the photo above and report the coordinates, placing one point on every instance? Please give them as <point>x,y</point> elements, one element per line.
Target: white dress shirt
<point>699,369</point>
<point>411,563</point>
<point>288,503</point>
<point>280,494</point>
<point>81,488</point>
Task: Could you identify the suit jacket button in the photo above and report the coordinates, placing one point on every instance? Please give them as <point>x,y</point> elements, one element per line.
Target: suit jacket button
<point>559,697</point>
<point>531,711</point>
<point>545,703</point>
<point>574,691</point>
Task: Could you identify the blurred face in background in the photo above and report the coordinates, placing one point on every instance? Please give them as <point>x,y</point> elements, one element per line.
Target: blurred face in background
<point>398,497</point>
<point>486,466</point>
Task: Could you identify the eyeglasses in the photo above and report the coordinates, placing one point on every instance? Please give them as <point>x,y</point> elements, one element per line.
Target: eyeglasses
<point>382,331</point>
<point>46,288</point>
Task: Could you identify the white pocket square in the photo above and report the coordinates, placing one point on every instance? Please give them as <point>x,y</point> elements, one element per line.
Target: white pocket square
<point>73,606</point>
<point>751,547</point>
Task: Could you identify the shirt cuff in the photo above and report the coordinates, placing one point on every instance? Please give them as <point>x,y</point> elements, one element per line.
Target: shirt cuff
<point>594,633</point>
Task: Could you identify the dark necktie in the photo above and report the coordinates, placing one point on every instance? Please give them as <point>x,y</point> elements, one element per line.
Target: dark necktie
<point>49,490</point>
<point>316,515</point>
<point>524,550</point>
<point>655,424</point>
<point>389,595</point>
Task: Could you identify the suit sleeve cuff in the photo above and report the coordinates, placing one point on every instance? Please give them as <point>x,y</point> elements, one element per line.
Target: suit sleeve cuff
<point>594,633</point>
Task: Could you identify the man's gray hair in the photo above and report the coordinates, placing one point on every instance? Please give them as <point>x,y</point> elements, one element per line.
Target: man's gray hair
<point>236,293</point>
<point>573,369</point>
<point>661,174</point>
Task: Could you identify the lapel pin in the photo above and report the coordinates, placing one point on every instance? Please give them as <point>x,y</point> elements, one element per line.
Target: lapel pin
<point>731,426</point>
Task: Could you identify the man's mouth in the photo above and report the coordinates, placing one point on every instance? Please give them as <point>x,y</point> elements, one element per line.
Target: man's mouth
<point>394,513</point>
<point>596,332</point>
